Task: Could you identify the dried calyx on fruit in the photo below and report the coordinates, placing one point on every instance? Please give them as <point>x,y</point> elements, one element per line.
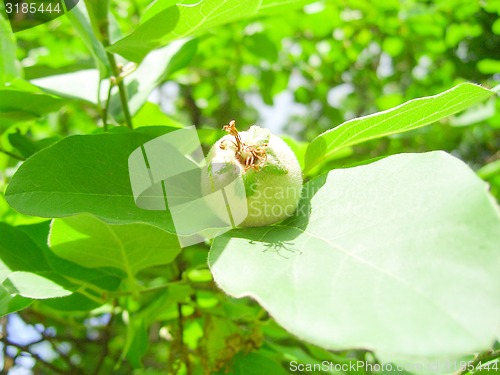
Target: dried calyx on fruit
<point>271,173</point>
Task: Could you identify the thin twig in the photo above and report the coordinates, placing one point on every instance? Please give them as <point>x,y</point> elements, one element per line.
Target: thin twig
<point>122,91</point>
<point>12,155</point>
<point>106,333</point>
<point>184,351</point>
<point>141,291</point>
<point>116,71</point>
<point>183,348</point>
<point>90,296</point>
<point>6,363</point>
<point>86,284</point>
<point>74,369</point>
<point>106,108</point>
<point>26,349</point>
<point>50,339</point>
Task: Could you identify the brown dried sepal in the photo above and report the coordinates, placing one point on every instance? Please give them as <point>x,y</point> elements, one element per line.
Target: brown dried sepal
<point>249,156</point>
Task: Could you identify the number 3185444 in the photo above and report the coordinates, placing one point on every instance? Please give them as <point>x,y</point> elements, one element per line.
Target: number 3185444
<point>32,8</point>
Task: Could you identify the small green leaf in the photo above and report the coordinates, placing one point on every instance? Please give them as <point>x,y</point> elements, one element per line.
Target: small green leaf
<point>410,115</point>
<point>90,242</point>
<point>27,146</point>
<point>24,270</point>
<point>157,306</point>
<point>102,278</point>
<point>98,12</point>
<point>261,46</point>
<point>27,104</point>
<point>381,257</point>
<point>489,170</point>
<point>30,259</point>
<point>73,302</point>
<point>14,117</point>
<point>79,18</point>
<point>159,303</point>
<point>9,66</point>
<point>85,174</point>
<point>147,36</point>
<point>489,66</point>
<point>11,303</point>
<point>136,343</point>
<point>151,115</point>
<point>46,70</point>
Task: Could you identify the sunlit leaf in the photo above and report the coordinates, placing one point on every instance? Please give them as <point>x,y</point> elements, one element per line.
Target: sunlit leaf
<point>90,242</point>
<point>84,174</point>
<point>400,256</point>
<point>411,115</point>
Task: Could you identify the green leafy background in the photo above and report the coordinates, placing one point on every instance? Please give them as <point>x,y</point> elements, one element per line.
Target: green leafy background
<point>392,257</point>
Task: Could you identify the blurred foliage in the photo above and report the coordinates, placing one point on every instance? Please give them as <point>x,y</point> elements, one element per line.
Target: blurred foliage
<point>309,70</point>
<point>300,74</point>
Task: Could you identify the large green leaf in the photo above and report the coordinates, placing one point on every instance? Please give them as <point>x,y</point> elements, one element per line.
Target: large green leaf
<point>400,256</point>
<point>90,242</point>
<point>84,174</point>
<point>167,23</point>
<point>410,115</point>
<point>24,270</point>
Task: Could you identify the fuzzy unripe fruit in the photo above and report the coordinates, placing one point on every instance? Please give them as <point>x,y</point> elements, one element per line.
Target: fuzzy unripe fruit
<point>269,168</point>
